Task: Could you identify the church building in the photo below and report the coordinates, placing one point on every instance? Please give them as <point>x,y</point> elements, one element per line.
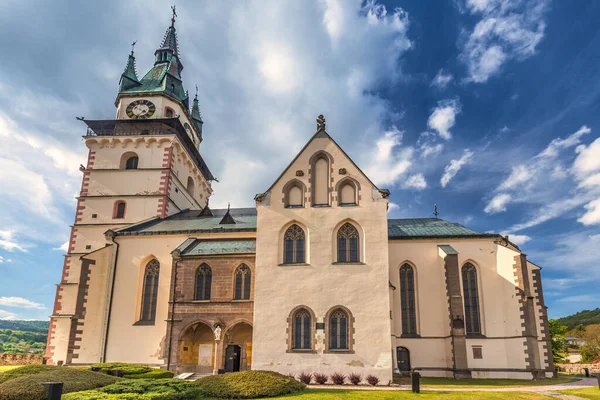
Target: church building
<point>315,278</point>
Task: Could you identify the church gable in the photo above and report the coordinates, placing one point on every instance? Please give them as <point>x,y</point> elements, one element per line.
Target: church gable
<point>321,175</point>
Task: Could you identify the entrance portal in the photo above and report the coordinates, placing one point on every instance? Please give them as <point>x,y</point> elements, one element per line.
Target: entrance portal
<point>197,349</point>
<point>403,359</point>
<point>232,358</point>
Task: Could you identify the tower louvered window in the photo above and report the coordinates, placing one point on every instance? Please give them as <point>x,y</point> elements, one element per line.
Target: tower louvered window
<point>302,330</point>
<point>347,238</point>
<point>471,299</point>
<point>338,331</point>
<point>294,244</point>
<point>407,300</point>
<point>132,162</point>
<point>203,282</point>
<point>243,278</point>
<point>150,291</point>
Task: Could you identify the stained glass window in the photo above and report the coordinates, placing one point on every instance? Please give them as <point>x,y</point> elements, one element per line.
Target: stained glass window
<point>203,282</point>
<point>150,291</point>
<point>338,331</point>
<point>348,247</point>
<point>243,278</point>
<point>294,242</point>
<point>302,330</point>
<point>407,300</point>
<point>471,299</point>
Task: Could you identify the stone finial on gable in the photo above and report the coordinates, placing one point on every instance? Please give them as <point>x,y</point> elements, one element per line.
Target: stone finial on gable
<point>320,123</point>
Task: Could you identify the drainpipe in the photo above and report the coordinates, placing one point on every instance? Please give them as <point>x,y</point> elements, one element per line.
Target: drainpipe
<point>176,253</point>
<point>112,273</point>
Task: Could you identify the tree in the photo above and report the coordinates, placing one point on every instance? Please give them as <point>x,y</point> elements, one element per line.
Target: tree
<point>591,349</point>
<point>559,344</point>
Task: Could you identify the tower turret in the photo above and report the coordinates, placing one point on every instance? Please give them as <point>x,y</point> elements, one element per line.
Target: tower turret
<point>196,116</point>
<point>129,77</point>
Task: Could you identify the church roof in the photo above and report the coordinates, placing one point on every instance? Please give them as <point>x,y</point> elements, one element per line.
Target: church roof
<point>417,228</point>
<point>190,222</point>
<point>201,247</point>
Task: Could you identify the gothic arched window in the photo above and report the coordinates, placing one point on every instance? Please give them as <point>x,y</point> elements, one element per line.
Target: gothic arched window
<point>471,298</point>
<point>347,194</point>
<point>320,179</point>
<point>338,330</point>
<point>119,209</point>
<point>132,162</point>
<point>293,245</point>
<point>191,187</point>
<point>302,330</point>
<point>150,291</point>
<point>203,282</point>
<point>347,241</point>
<point>407,300</point>
<point>243,277</point>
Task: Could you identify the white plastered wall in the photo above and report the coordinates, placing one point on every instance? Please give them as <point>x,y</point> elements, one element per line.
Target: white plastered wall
<point>321,284</point>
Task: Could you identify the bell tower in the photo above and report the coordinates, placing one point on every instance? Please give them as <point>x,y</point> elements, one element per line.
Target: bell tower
<point>143,164</point>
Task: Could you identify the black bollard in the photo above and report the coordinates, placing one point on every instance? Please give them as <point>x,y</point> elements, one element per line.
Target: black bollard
<point>598,377</point>
<point>587,372</point>
<point>416,382</point>
<point>54,390</point>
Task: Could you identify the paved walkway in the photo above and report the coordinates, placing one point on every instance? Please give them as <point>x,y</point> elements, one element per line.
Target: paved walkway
<point>549,390</point>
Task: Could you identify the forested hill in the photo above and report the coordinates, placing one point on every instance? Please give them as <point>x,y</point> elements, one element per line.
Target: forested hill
<point>25,326</point>
<point>585,317</point>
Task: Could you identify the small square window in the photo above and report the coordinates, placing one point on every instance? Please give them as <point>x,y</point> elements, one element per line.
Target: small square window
<point>88,246</point>
<point>94,215</point>
<point>477,353</point>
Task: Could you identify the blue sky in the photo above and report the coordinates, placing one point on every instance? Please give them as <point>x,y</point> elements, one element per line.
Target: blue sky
<point>488,108</point>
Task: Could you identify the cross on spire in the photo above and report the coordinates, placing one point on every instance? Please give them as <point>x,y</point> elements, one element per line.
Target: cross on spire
<point>174,16</point>
<point>435,210</point>
<point>132,46</point>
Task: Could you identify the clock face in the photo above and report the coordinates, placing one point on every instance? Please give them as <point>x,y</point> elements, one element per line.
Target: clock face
<point>140,109</point>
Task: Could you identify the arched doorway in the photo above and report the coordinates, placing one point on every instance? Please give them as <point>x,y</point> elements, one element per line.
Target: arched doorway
<point>197,349</point>
<point>238,348</point>
<point>403,359</point>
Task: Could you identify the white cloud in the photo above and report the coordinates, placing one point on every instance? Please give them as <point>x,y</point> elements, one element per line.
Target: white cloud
<point>392,207</point>
<point>64,247</point>
<point>558,144</point>
<point>9,243</point>
<point>443,117</point>
<point>416,181</point>
<point>442,79</point>
<point>520,174</point>
<point>431,150</point>
<point>498,203</point>
<point>519,240</point>
<point>588,159</point>
<point>20,302</point>
<point>507,30</point>
<point>592,216</point>
<point>389,161</point>
<point>454,166</point>
<point>7,315</point>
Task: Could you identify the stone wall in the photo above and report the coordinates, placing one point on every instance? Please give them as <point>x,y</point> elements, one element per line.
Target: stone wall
<point>594,368</point>
<point>21,359</point>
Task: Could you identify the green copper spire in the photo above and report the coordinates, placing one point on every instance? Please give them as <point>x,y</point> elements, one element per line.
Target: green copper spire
<point>196,116</point>
<point>129,77</point>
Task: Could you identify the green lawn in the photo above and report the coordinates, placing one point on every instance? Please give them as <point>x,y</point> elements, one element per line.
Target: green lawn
<point>587,393</point>
<point>331,394</point>
<point>7,367</point>
<point>487,383</point>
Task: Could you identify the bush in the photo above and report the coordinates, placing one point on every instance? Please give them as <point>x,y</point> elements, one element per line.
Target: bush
<point>154,373</point>
<point>142,389</point>
<point>354,378</point>
<point>373,380</point>
<point>320,378</point>
<point>305,378</point>
<point>248,385</point>
<point>29,387</point>
<point>338,379</point>
<point>26,370</point>
<point>120,369</point>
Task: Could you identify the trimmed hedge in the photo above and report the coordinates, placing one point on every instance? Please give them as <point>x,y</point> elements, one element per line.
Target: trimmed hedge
<point>131,371</point>
<point>142,389</point>
<point>25,370</point>
<point>248,385</point>
<point>29,387</point>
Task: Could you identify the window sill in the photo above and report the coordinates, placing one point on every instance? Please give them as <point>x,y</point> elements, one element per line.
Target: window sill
<point>348,205</point>
<point>410,335</point>
<point>475,336</point>
<point>320,205</point>
<point>348,263</point>
<point>241,300</point>
<point>307,351</point>
<point>293,265</point>
<point>144,323</point>
<point>200,301</point>
<point>333,351</point>
<point>294,206</point>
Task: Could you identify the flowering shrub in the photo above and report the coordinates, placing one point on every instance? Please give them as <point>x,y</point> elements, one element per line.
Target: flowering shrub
<point>373,380</point>
<point>355,378</point>
<point>305,378</point>
<point>338,379</point>
<point>320,378</point>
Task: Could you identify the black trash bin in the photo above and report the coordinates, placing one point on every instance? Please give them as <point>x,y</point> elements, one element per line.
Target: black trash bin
<point>586,371</point>
<point>416,382</point>
<point>54,390</point>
